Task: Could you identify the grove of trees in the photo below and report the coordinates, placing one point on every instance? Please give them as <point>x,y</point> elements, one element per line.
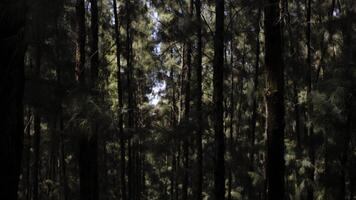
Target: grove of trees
<point>178,99</point>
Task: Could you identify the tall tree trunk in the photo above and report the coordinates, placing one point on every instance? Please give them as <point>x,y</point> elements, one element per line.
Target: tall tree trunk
<point>28,155</point>
<point>80,42</point>
<point>188,67</point>
<point>120,100</point>
<point>219,171</point>
<point>129,75</point>
<point>94,67</point>
<point>275,101</point>
<point>310,128</point>
<point>37,143</point>
<point>255,103</point>
<point>88,191</point>
<point>37,120</point>
<point>64,179</point>
<point>199,96</point>
<point>94,50</point>
<point>12,51</point>
<point>232,106</point>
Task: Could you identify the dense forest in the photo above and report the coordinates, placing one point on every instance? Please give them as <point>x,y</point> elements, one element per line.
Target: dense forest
<point>178,99</point>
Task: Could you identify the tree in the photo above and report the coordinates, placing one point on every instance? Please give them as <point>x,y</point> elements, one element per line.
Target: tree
<point>274,101</point>
<point>199,96</point>
<point>12,53</point>
<point>219,171</point>
<point>120,102</point>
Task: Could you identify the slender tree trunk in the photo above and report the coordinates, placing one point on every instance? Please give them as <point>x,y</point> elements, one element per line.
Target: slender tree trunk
<point>232,107</point>
<point>199,97</point>
<point>255,104</point>
<point>28,156</point>
<point>275,101</point>
<point>310,128</point>
<point>130,95</point>
<point>87,192</point>
<point>94,50</point>
<point>187,63</point>
<point>37,143</point>
<point>219,171</point>
<point>94,68</point>
<point>80,42</point>
<point>120,100</point>
<point>64,179</point>
<point>177,169</point>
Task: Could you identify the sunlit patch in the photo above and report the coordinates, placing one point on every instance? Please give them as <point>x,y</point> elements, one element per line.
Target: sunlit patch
<point>155,96</point>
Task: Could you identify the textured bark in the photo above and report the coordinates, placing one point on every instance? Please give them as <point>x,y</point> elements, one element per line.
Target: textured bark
<point>87,142</point>
<point>199,96</point>
<point>255,104</point>
<point>310,128</point>
<point>37,120</point>
<point>275,101</point>
<point>120,101</point>
<point>37,156</point>
<point>219,171</point>
<point>130,94</point>
<point>80,41</point>
<point>94,50</point>
<point>187,68</point>
<point>27,146</point>
<point>12,51</point>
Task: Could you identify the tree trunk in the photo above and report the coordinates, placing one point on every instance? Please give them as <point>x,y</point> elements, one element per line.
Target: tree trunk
<point>219,171</point>
<point>120,100</point>
<point>188,67</point>
<point>275,101</point>
<point>199,131</point>
<point>310,193</point>
<point>28,156</point>
<point>80,42</point>
<point>129,75</point>
<point>12,51</point>
<point>37,120</point>
<point>255,104</point>
<point>36,166</point>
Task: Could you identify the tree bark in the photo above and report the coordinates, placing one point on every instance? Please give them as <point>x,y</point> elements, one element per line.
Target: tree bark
<point>37,157</point>
<point>199,96</point>
<point>80,42</point>
<point>12,51</point>
<point>120,101</point>
<point>187,68</point>
<point>274,101</point>
<point>310,128</point>
<point>219,171</point>
<point>255,103</point>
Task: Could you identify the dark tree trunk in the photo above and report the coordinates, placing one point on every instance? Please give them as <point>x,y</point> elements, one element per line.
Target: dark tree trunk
<point>219,171</point>
<point>12,51</point>
<point>87,155</point>
<point>310,128</point>
<point>255,103</point>
<point>93,139</point>
<point>64,179</point>
<point>36,145</point>
<point>199,96</point>
<point>37,121</point>
<point>275,101</point>
<point>120,100</point>
<point>80,42</point>
<point>94,54</point>
<point>130,94</point>
<point>28,155</point>
<point>187,67</point>
<point>232,107</point>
